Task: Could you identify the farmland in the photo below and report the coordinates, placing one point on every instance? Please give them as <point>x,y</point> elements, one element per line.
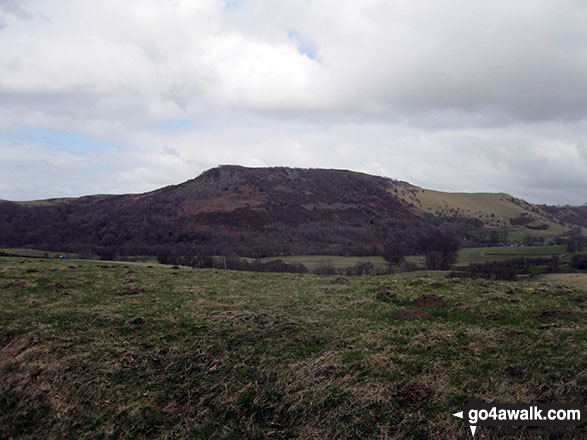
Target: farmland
<point>466,256</point>
<point>93,349</point>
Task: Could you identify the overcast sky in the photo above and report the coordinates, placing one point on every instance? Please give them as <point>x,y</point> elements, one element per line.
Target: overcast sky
<point>126,96</point>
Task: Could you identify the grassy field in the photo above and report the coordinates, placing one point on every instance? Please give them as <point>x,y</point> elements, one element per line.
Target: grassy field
<point>93,350</point>
<point>466,256</point>
<point>36,253</point>
<point>51,254</point>
<point>338,262</point>
<point>501,253</point>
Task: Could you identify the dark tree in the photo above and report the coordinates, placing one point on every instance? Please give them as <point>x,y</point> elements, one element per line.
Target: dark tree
<point>440,249</point>
<point>579,262</point>
<point>395,251</point>
<point>576,243</point>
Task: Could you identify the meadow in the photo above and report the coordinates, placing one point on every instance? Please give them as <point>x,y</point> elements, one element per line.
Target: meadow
<point>465,256</point>
<point>92,350</point>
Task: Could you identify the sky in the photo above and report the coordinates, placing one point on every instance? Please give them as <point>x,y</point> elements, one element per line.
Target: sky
<point>454,95</point>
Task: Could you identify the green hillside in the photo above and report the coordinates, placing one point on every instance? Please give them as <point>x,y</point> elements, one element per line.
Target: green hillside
<point>499,211</point>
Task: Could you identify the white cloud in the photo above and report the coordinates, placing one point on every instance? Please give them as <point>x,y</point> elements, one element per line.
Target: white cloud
<point>453,95</point>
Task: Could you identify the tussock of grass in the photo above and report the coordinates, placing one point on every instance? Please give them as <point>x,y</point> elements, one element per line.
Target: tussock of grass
<point>212,354</point>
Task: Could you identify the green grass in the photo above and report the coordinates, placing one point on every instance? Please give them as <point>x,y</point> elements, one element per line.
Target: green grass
<point>338,262</point>
<point>501,253</point>
<point>209,354</point>
<point>36,253</point>
<point>466,256</point>
<point>494,209</point>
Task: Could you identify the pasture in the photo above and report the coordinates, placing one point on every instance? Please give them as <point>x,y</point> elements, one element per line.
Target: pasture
<point>466,256</point>
<point>93,350</point>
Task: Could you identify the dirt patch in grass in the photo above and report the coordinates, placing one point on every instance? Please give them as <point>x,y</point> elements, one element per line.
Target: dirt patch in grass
<point>385,294</point>
<point>430,300</point>
<point>582,298</point>
<point>22,284</point>
<point>134,291</point>
<point>547,326</point>
<point>553,314</point>
<point>416,393</point>
<point>410,314</point>
<point>462,307</point>
<point>341,280</point>
<point>502,297</point>
<point>562,293</point>
<point>497,296</point>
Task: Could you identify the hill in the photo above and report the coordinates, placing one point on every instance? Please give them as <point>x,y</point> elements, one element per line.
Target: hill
<point>497,211</point>
<point>271,211</point>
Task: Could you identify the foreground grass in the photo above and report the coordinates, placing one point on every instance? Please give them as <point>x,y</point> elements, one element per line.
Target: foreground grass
<point>99,350</point>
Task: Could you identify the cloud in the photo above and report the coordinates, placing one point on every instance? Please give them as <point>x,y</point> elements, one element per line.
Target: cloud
<point>17,8</point>
<point>451,95</point>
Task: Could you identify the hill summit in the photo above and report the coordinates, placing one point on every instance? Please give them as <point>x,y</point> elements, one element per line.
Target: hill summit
<point>270,211</point>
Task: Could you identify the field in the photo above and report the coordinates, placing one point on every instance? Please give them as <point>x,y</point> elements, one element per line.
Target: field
<point>502,253</point>
<point>36,253</point>
<point>337,262</point>
<point>93,350</point>
<point>466,256</point>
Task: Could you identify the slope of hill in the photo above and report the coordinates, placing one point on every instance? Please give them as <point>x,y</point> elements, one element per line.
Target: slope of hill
<point>267,211</point>
<point>495,210</point>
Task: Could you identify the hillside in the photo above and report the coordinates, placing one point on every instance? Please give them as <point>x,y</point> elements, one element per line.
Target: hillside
<point>229,209</point>
<point>270,211</point>
<point>498,211</point>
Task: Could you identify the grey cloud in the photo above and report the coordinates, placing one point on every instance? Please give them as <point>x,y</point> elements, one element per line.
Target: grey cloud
<point>485,96</point>
<point>582,150</point>
<point>17,8</point>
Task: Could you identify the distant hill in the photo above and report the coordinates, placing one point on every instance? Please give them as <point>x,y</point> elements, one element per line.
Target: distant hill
<point>498,211</point>
<point>272,211</point>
